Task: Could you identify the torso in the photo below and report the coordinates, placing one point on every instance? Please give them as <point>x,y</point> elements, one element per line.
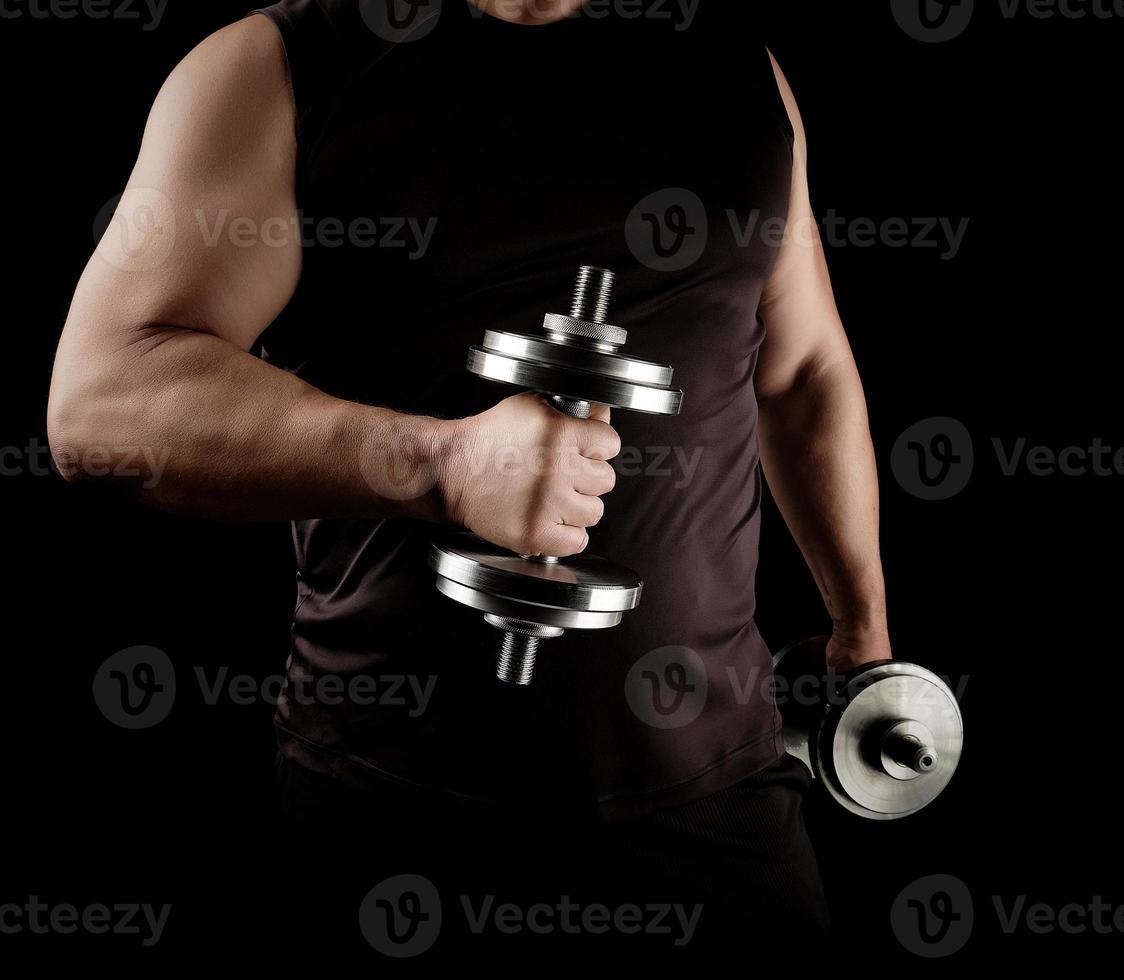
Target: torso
<point>522,153</point>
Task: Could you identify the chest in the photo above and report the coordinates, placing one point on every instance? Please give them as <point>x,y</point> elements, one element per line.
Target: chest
<point>465,186</point>
<point>505,151</point>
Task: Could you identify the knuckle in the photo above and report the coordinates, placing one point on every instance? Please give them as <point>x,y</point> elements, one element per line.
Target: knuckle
<point>612,441</point>
<point>530,535</point>
<point>544,537</point>
<point>530,542</point>
<point>573,428</point>
<point>560,429</point>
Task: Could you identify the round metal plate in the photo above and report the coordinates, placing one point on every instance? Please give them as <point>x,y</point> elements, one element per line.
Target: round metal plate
<point>848,754</point>
<point>580,358</point>
<point>583,583</point>
<point>555,379</point>
<point>531,612</point>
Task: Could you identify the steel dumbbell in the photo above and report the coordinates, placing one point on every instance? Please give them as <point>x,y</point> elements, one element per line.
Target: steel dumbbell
<point>884,740</point>
<point>574,364</point>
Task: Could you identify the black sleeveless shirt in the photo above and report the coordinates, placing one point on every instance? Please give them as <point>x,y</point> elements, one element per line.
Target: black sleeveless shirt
<point>452,176</point>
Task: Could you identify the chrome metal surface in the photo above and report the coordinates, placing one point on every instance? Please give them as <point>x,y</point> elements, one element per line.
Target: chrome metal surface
<point>877,699</point>
<point>593,288</point>
<point>534,631</point>
<point>907,750</point>
<point>577,357</point>
<point>516,664</point>
<point>569,330</point>
<point>583,583</point>
<point>619,366</point>
<point>885,740</point>
<point>566,619</point>
<point>575,408</point>
<point>553,379</point>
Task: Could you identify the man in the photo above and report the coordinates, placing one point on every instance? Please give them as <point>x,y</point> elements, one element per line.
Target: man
<point>362,196</point>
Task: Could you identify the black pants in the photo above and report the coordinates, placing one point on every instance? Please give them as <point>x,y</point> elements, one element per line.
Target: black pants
<point>414,876</point>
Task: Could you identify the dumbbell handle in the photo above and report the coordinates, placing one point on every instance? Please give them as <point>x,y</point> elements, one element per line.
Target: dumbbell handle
<point>593,289</point>
<point>516,664</point>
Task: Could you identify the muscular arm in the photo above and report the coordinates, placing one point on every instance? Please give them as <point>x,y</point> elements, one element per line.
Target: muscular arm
<point>815,443</point>
<point>154,355</point>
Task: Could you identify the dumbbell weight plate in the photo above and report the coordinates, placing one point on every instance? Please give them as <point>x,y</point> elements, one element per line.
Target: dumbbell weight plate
<point>581,592</point>
<point>840,725</point>
<point>613,365</point>
<point>574,372</point>
<point>877,698</point>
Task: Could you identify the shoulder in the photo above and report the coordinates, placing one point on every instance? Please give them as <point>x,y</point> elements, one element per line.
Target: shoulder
<point>231,93</point>
<point>248,55</point>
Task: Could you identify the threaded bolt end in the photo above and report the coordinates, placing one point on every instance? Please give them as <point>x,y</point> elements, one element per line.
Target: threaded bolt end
<point>593,289</point>
<point>517,659</point>
<point>911,752</point>
<point>520,644</point>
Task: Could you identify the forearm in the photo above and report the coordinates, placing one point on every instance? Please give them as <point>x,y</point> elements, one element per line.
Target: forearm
<point>819,462</point>
<point>195,425</point>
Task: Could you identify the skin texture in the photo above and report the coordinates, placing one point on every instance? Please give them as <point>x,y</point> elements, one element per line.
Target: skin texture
<point>816,450</point>
<point>154,363</point>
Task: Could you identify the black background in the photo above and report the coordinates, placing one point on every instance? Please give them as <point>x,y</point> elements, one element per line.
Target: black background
<point>1012,584</point>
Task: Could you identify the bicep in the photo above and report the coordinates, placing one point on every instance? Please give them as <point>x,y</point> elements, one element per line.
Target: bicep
<point>205,236</point>
<point>803,329</point>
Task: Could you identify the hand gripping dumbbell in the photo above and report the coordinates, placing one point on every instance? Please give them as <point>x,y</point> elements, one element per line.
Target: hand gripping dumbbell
<point>575,364</point>
<point>884,739</point>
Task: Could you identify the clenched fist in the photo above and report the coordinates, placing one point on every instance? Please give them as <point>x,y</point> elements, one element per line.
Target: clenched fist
<point>527,477</point>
